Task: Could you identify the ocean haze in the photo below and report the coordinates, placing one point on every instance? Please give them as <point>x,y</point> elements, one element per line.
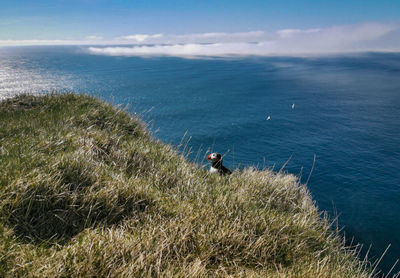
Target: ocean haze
<point>355,38</point>
<point>346,113</point>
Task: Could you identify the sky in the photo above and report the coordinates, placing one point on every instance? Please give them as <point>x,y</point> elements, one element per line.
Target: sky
<point>249,27</point>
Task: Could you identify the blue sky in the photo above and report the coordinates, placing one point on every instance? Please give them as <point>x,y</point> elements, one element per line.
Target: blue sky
<point>77,19</point>
<point>167,21</point>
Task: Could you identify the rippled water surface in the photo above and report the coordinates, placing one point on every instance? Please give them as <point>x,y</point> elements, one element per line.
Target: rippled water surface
<point>346,113</point>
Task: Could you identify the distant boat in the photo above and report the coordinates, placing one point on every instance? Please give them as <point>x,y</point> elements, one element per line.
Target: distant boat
<point>268,118</point>
<point>293,106</point>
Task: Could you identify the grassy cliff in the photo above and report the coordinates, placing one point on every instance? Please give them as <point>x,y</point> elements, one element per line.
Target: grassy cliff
<point>85,191</point>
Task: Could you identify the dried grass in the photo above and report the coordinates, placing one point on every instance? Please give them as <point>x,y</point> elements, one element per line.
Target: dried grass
<point>87,192</point>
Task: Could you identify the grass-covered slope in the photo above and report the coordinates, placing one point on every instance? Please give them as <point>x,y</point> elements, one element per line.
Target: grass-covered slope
<point>86,192</point>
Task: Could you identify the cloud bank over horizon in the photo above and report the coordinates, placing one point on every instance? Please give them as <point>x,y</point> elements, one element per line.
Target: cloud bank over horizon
<point>364,37</point>
<point>139,37</point>
<point>337,39</point>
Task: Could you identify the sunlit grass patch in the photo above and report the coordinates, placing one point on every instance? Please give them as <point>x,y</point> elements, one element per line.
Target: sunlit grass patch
<point>86,191</point>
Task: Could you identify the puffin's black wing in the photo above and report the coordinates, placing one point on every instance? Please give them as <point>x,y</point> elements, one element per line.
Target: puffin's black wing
<point>224,171</point>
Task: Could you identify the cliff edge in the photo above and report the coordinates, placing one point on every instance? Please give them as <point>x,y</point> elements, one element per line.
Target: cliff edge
<point>86,191</point>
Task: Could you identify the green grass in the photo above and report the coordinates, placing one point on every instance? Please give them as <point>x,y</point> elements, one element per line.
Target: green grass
<point>86,191</point>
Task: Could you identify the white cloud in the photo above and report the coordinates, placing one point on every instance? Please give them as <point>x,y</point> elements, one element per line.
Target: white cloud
<point>88,40</point>
<point>38,42</point>
<point>94,37</point>
<point>140,37</point>
<point>220,35</point>
<point>288,33</point>
<point>215,37</point>
<point>189,49</point>
<point>336,39</point>
<point>299,42</point>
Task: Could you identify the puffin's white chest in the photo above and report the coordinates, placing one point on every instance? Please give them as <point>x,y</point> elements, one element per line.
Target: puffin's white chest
<point>213,170</point>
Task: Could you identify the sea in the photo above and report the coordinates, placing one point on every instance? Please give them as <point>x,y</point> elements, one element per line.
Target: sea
<point>333,120</point>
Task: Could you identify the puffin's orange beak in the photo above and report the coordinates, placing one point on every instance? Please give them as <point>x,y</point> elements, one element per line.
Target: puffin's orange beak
<point>209,157</point>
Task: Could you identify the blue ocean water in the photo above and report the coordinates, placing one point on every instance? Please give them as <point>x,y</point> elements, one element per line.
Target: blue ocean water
<point>346,113</point>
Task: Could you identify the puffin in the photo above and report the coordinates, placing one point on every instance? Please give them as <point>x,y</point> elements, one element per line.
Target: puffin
<point>217,167</point>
